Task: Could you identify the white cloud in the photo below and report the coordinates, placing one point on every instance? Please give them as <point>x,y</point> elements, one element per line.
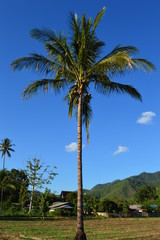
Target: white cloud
<point>121,149</point>
<point>72,147</point>
<point>146,117</point>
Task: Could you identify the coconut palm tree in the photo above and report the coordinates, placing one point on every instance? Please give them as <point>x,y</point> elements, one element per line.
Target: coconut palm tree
<point>5,147</point>
<point>75,64</point>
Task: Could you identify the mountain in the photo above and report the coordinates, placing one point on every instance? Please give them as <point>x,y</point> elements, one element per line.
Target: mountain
<point>125,188</point>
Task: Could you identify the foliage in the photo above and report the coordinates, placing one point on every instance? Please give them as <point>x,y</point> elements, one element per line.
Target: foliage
<point>74,63</point>
<point>61,213</point>
<point>90,204</point>
<point>24,193</point>
<point>126,188</point>
<point>38,176</point>
<point>12,182</point>
<point>6,147</point>
<point>106,205</point>
<point>146,193</point>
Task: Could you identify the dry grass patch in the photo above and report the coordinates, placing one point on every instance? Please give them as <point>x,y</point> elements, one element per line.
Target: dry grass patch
<point>96,229</point>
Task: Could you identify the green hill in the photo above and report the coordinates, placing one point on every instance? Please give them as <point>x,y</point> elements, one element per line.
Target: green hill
<point>125,188</point>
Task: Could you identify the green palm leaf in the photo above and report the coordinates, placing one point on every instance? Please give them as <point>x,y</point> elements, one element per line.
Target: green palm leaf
<point>98,18</point>
<point>44,85</point>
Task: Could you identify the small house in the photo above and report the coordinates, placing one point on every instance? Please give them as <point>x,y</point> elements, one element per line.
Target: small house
<point>63,194</point>
<point>62,205</point>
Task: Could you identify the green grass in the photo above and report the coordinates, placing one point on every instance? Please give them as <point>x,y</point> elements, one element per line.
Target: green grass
<point>96,229</point>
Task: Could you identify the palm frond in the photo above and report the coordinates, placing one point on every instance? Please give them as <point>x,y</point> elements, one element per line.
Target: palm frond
<point>120,62</point>
<point>86,112</point>
<point>139,63</point>
<point>34,62</point>
<point>43,85</point>
<point>6,146</point>
<point>112,65</point>
<point>59,41</point>
<point>10,149</point>
<point>8,153</point>
<point>106,86</point>
<point>128,49</point>
<point>98,18</point>
<point>75,29</point>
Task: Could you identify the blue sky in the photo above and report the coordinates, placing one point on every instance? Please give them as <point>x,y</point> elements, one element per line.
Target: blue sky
<point>124,133</point>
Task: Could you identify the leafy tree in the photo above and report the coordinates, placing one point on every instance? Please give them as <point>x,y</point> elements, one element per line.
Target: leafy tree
<point>38,176</point>
<point>5,147</point>
<point>46,199</point>
<point>90,204</point>
<point>146,193</point>
<point>107,205</point>
<point>76,64</point>
<point>42,205</point>
<point>24,194</point>
<point>12,182</point>
<point>72,198</point>
<point>50,197</point>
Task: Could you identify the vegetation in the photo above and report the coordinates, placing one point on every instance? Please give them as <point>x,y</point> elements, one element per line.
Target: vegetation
<point>17,197</point>
<point>76,63</point>
<point>126,188</point>
<point>5,147</point>
<point>146,193</point>
<point>36,177</point>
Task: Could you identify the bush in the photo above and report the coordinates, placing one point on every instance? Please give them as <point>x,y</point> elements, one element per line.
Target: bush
<point>61,213</point>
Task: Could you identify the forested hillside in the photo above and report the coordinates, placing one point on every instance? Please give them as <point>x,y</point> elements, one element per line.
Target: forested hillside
<point>125,188</point>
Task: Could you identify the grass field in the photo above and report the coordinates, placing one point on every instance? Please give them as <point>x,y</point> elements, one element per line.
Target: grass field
<point>96,229</point>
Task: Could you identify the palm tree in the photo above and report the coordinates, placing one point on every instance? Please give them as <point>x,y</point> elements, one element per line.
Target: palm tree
<point>5,147</point>
<point>76,64</point>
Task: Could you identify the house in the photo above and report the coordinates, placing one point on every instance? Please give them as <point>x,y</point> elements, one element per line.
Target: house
<point>63,194</point>
<point>137,210</point>
<point>58,205</point>
<point>135,207</point>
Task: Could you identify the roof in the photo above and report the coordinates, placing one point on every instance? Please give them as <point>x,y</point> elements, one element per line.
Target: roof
<point>135,207</point>
<point>64,193</point>
<point>57,205</point>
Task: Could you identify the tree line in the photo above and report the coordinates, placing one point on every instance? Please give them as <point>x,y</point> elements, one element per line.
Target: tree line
<point>20,198</point>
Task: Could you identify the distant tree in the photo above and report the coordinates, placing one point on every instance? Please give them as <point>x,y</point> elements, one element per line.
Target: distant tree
<point>146,193</point>
<point>50,197</point>
<point>38,176</point>
<point>24,194</point>
<point>5,147</point>
<point>42,205</point>
<point>46,199</point>
<point>71,197</point>
<point>12,182</point>
<point>91,204</point>
<point>106,205</point>
<point>17,178</point>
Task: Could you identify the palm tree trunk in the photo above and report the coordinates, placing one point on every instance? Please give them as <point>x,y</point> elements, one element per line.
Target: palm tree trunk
<point>2,187</point>
<point>80,235</point>
<point>4,162</point>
